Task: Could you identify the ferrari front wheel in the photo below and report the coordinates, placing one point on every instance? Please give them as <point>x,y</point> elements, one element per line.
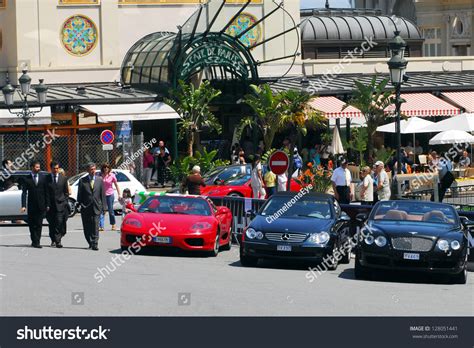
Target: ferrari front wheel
<point>215,250</point>
<point>228,246</point>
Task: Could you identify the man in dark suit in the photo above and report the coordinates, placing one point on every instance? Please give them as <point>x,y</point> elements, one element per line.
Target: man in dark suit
<point>58,192</point>
<point>35,197</point>
<point>91,197</point>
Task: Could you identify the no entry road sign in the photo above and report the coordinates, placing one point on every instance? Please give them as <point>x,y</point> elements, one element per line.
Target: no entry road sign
<point>279,162</point>
<point>107,137</point>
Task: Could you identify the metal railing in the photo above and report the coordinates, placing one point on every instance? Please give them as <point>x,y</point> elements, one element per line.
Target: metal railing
<point>459,196</point>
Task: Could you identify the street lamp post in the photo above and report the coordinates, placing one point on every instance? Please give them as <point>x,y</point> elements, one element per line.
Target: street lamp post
<point>397,66</point>
<point>26,113</point>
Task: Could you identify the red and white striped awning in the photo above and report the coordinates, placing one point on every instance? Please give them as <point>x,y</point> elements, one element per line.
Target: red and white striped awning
<point>424,105</point>
<point>332,108</point>
<point>463,99</point>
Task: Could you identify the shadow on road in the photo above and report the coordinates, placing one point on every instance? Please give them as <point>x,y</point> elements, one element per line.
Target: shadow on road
<point>166,252</point>
<point>279,264</point>
<point>398,277</point>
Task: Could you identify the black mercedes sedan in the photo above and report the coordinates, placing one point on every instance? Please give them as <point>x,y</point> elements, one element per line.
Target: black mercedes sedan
<point>413,236</point>
<point>298,226</point>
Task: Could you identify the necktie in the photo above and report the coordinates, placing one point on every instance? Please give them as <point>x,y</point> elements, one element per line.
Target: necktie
<point>56,179</point>
<point>92,182</point>
<point>35,176</point>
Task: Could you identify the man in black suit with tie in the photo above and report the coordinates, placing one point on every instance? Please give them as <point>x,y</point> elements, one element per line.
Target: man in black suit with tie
<point>58,192</point>
<point>35,197</point>
<point>91,197</point>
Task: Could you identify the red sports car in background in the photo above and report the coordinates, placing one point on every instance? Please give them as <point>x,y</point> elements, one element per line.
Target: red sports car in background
<point>185,222</point>
<point>238,186</point>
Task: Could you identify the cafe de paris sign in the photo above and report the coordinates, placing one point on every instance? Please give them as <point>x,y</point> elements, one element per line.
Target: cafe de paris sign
<point>214,54</point>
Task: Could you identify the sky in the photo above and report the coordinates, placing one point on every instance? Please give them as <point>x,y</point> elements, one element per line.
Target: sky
<point>320,3</point>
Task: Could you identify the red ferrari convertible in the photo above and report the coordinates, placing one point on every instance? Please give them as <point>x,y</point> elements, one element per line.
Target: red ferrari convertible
<point>185,222</point>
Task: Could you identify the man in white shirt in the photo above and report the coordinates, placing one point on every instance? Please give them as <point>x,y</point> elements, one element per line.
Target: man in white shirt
<point>341,183</point>
<point>367,187</point>
<point>383,183</point>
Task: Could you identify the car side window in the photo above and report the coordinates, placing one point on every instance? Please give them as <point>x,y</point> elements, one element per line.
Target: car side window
<point>121,177</point>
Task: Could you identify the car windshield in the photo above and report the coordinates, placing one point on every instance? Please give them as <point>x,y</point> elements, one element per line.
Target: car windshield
<point>175,205</point>
<point>415,212</point>
<point>238,180</point>
<point>225,174</point>
<point>291,206</point>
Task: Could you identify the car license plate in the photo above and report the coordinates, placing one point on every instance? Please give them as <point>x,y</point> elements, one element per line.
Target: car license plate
<point>411,256</point>
<point>284,247</point>
<point>162,240</point>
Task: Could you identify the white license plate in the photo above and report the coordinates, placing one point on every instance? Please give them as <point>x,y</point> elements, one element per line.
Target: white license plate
<point>411,256</point>
<point>284,247</point>
<point>162,240</point>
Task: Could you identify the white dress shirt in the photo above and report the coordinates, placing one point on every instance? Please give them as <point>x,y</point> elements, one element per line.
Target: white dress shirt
<point>341,177</point>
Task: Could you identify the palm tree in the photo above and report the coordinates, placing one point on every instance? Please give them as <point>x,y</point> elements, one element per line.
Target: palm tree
<point>192,104</point>
<point>371,100</point>
<point>267,111</point>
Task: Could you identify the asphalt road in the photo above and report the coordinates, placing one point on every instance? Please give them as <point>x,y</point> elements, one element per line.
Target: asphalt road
<point>50,282</point>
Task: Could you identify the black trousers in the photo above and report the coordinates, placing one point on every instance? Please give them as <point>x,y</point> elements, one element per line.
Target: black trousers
<point>57,224</point>
<point>344,194</point>
<point>35,224</point>
<point>90,224</point>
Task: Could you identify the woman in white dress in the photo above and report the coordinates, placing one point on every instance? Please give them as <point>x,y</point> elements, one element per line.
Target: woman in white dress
<point>257,179</point>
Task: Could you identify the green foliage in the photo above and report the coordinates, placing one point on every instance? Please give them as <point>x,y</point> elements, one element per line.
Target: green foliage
<point>273,112</point>
<point>192,104</point>
<point>182,167</point>
<point>383,154</point>
<point>359,139</point>
<point>371,99</point>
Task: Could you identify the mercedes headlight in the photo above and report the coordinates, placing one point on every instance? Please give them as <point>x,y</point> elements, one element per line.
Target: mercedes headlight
<point>443,245</point>
<point>381,241</point>
<point>251,233</point>
<point>319,238</point>
<point>369,240</point>
<point>455,245</point>
<point>259,235</point>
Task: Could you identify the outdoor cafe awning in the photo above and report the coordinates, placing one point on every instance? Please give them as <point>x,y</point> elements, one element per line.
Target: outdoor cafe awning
<point>132,112</point>
<point>425,105</point>
<point>332,107</point>
<point>8,119</point>
<point>464,99</point>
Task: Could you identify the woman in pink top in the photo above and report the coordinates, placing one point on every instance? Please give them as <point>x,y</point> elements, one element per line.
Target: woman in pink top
<point>109,181</point>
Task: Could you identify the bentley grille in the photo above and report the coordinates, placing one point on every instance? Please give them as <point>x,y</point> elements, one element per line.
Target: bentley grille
<point>412,243</point>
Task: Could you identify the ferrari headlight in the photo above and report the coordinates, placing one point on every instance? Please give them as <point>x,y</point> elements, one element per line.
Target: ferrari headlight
<point>259,235</point>
<point>455,245</point>
<point>201,226</point>
<point>251,233</point>
<point>381,241</point>
<point>319,238</point>
<point>369,240</point>
<point>133,222</point>
<point>443,245</point>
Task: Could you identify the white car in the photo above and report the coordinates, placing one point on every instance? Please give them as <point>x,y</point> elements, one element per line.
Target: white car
<point>125,179</point>
<point>10,194</point>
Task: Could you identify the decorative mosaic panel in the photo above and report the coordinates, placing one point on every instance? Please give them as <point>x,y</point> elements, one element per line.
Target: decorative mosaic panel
<point>240,24</point>
<point>79,35</point>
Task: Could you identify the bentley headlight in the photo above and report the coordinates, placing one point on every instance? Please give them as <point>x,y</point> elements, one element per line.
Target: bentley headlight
<point>443,245</point>
<point>381,241</point>
<point>319,238</point>
<point>369,240</point>
<point>455,245</point>
<point>251,233</point>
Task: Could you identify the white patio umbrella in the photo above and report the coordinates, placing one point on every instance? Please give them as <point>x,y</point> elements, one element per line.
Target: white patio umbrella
<point>336,145</point>
<point>452,137</point>
<point>463,122</point>
<point>411,126</point>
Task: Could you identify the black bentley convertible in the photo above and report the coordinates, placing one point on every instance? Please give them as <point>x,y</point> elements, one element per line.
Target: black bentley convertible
<point>413,236</point>
<point>293,226</point>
